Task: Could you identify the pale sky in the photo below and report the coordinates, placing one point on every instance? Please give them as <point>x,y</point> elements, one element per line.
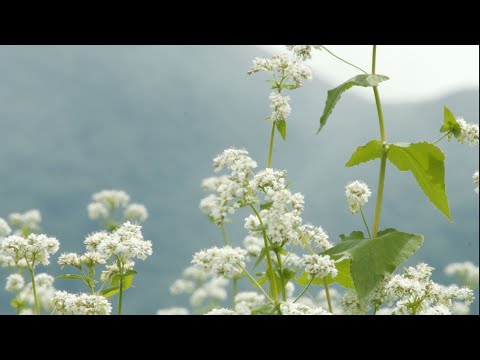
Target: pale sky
<point>415,71</point>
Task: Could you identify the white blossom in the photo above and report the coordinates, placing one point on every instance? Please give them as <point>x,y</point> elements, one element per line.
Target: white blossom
<point>97,210</point>
<point>357,193</point>
<point>466,272</point>
<point>15,283</point>
<point>194,273</point>
<point>29,220</point>
<point>436,310</point>
<point>351,304</point>
<point>35,249</point>
<point>69,259</point>
<point>237,161</point>
<point>182,286</point>
<point>460,308</point>
<point>468,133</point>
<point>303,52</point>
<point>136,212</point>
<point>289,289</point>
<point>301,309</point>
<point>213,290</point>
<point>319,266</point>
<point>221,312</point>
<point>212,183</point>
<point>81,304</point>
<point>4,229</point>
<point>475,180</point>
<point>94,240</point>
<point>112,199</point>
<point>385,311</point>
<point>92,258</point>
<point>315,234</point>
<point>44,289</point>
<point>222,261</point>
<point>112,270</point>
<point>173,311</point>
<point>209,204</point>
<point>280,106</point>
<point>247,301</point>
<point>253,245</point>
<point>269,181</point>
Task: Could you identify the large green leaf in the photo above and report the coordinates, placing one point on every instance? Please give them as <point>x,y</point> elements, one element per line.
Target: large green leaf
<point>371,151</point>
<point>426,162</point>
<point>450,122</point>
<point>282,128</point>
<point>366,80</point>
<point>371,259</point>
<point>344,278</point>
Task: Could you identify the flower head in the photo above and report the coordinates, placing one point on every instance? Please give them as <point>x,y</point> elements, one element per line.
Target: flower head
<point>81,304</point>
<point>136,212</point>
<point>35,249</point>
<point>71,259</point>
<point>319,266</point>
<point>222,261</point>
<point>357,193</point>
<point>15,283</point>
<point>28,222</point>
<point>4,229</point>
<point>303,52</point>
<point>468,133</point>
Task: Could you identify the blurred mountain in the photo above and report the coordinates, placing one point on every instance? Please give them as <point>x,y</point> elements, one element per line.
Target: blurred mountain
<point>149,120</point>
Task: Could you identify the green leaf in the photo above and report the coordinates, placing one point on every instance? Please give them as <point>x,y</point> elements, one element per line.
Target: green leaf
<point>127,280</point>
<point>450,122</point>
<point>110,292</point>
<point>343,278</point>
<point>262,280</point>
<point>261,256</point>
<point>74,277</point>
<point>371,259</point>
<point>334,95</point>
<point>91,271</point>
<point>355,235</point>
<point>288,274</point>
<point>266,206</point>
<point>267,309</point>
<point>426,162</point>
<point>273,277</point>
<point>371,151</point>
<point>282,128</point>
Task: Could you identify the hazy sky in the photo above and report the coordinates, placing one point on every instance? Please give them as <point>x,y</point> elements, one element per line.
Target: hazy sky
<point>415,71</point>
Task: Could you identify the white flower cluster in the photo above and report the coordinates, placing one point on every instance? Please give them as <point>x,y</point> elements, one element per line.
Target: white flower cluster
<point>27,222</point>
<point>466,272</point>
<point>253,245</point>
<point>301,309</point>
<point>27,252</point>
<point>350,304</point>
<point>4,229</point>
<point>106,202</point>
<point>303,52</point>
<point>221,312</point>
<point>280,107</point>
<point>15,283</point>
<point>126,242</point>
<point>212,291</point>
<point>246,302</point>
<point>318,266</point>
<point>173,311</point>
<point>284,67</point>
<point>415,293</point>
<point>81,304</point>
<point>24,292</point>
<point>357,193</point>
<point>475,180</point>
<point>468,133</point>
<point>221,261</point>
<point>317,235</point>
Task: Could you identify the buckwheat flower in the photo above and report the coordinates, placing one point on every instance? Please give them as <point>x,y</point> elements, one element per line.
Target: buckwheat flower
<point>280,107</point>
<point>94,240</point>
<point>222,261</point>
<point>15,283</point>
<point>460,308</point>
<point>298,72</point>
<point>181,286</point>
<point>436,310</point>
<point>466,272</point>
<point>136,212</point>
<point>44,289</point>
<point>253,245</point>
<point>97,210</point>
<point>357,193</point>
<point>213,290</point>
<point>315,234</point>
<point>319,266</point>
<point>468,133</point>
<point>112,199</point>
<point>301,309</point>
<point>71,259</point>
<point>29,220</point>
<point>82,304</point>
<point>269,181</point>
<point>303,52</point>
<point>247,301</point>
<point>475,180</point>
<point>126,242</point>
<point>385,311</point>
<point>209,203</point>
<point>112,270</point>
<point>351,304</point>
<point>196,274</point>
<point>289,290</point>
<point>260,64</point>
<point>221,312</point>
<point>36,249</point>
<point>92,259</point>
<point>235,160</point>
<point>173,311</point>
<point>212,183</point>
<point>4,229</point>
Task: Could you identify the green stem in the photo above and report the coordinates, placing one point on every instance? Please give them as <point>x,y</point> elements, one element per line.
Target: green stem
<point>272,281</point>
<point>443,137</point>
<point>32,274</point>
<point>327,292</point>
<point>224,235</point>
<point>252,279</point>
<point>270,150</point>
<point>365,222</point>
<point>234,289</point>
<point>120,295</point>
<point>383,164</point>
<point>87,282</point>
<point>282,279</point>
<point>304,290</point>
<point>345,61</point>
